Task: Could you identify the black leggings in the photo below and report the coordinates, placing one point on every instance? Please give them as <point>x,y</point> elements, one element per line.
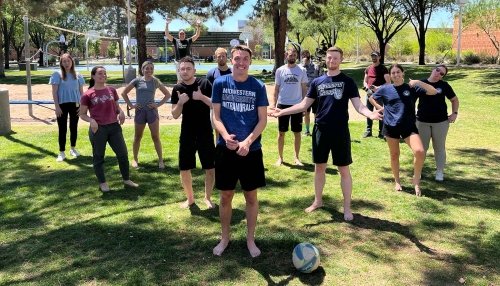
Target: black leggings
<point>70,108</point>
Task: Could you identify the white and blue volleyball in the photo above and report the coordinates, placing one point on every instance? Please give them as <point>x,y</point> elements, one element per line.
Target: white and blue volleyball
<point>305,257</point>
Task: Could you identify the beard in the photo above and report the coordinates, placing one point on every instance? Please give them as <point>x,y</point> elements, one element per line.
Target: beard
<point>292,61</point>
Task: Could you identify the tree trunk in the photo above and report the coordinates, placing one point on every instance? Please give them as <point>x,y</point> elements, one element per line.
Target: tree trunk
<point>421,45</point>
<point>141,21</point>
<point>280,26</point>
<point>2,59</point>
<point>381,46</point>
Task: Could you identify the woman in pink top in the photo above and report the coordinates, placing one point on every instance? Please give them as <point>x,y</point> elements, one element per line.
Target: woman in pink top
<point>105,118</point>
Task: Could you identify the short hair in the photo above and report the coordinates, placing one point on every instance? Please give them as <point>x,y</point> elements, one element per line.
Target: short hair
<point>241,48</point>
<point>305,52</point>
<point>400,67</point>
<point>443,66</point>
<point>186,59</point>
<point>292,49</point>
<point>182,31</point>
<point>220,51</point>
<point>336,49</point>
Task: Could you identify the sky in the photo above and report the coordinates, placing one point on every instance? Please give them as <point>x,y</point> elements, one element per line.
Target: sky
<point>231,24</point>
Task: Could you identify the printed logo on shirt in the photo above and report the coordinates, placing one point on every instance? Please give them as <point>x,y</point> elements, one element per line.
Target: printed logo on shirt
<point>439,90</point>
<point>238,100</point>
<point>406,93</point>
<point>291,79</point>
<point>332,88</point>
<point>102,99</point>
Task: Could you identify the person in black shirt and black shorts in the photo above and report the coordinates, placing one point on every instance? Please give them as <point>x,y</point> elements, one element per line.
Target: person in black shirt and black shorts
<point>192,99</point>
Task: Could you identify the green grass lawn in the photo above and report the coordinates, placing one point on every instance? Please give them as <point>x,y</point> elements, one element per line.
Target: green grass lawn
<point>56,228</point>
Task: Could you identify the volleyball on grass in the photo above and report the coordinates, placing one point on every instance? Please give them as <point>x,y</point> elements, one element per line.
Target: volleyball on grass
<point>305,257</point>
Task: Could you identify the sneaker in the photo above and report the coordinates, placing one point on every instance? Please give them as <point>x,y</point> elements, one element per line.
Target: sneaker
<point>61,157</point>
<point>381,136</point>
<point>367,134</point>
<point>439,176</point>
<point>74,153</point>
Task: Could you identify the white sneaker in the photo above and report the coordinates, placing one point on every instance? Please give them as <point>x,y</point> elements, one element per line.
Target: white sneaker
<point>61,157</point>
<point>74,153</point>
<point>439,176</point>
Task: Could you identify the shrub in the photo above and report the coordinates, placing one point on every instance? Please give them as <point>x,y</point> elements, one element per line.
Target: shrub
<point>470,58</point>
<point>487,59</point>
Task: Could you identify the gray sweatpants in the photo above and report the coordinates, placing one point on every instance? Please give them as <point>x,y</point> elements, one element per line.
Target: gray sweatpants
<point>112,134</point>
<point>438,132</point>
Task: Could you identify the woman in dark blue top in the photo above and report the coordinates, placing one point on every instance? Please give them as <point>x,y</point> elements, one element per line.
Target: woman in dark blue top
<point>399,99</point>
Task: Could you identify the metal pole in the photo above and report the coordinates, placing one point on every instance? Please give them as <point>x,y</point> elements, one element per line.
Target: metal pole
<point>129,37</point>
<point>27,59</point>
<point>357,42</point>
<point>459,32</point>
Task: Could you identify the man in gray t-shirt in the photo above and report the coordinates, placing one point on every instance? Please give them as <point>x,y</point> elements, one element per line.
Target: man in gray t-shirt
<point>290,88</point>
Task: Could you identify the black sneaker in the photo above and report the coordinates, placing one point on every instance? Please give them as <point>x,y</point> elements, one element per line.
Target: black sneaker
<point>381,136</point>
<point>367,134</point>
<point>307,133</point>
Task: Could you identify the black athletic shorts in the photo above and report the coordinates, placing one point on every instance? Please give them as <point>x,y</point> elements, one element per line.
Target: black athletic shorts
<point>230,167</point>
<point>295,120</point>
<point>401,131</point>
<point>205,146</point>
<point>336,141</point>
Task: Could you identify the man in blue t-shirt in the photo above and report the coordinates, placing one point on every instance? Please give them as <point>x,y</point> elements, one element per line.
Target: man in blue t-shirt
<point>332,93</point>
<point>240,107</point>
<point>222,68</point>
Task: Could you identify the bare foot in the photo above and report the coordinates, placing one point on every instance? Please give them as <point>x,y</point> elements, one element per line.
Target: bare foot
<point>129,183</point>
<point>219,249</point>
<point>313,207</point>
<point>134,164</point>
<point>348,215</point>
<point>298,163</point>
<point>418,192</point>
<point>186,204</point>
<point>161,165</point>
<point>397,187</point>
<point>279,162</point>
<point>209,204</point>
<point>104,187</point>
<point>253,249</point>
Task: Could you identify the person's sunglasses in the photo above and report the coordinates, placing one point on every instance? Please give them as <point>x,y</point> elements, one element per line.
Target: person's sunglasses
<point>440,72</point>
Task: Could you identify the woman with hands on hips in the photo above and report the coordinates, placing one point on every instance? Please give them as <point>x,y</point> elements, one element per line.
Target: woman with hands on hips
<point>101,102</point>
<point>146,110</point>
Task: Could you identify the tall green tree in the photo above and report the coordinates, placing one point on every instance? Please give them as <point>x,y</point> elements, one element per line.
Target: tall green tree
<point>384,17</point>
<point>420,12</point>
<point>485,14</point>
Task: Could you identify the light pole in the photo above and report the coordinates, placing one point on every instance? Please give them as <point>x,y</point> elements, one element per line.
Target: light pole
<point>461,4</point>
<point>130,75</point>
<point>27,60</point>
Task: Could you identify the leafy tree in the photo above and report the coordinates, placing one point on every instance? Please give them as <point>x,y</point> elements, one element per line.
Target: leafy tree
<point>420,13</point>
<point>485,14</point>
<point>384,17</point>
<point>12,17</point>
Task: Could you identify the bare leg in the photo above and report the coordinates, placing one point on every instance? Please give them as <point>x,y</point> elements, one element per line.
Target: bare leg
<point>298,139</point>
<point>307,120</point>
<point>209,186</point>
<point>225,213</point>
<point>418,159</point>
<point>187,185</point>
<point>252,210</point>
<point>319,184</point>
<point>155,135</point>
<point>281,145</point>
<point>346,186</point>
<point>139,131</point>
<point>394,153</point>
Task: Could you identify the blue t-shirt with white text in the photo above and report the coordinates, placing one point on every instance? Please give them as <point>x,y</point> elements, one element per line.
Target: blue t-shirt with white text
<point>239,104</point>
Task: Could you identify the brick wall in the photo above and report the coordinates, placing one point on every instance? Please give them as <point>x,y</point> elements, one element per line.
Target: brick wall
<point>474,39</point>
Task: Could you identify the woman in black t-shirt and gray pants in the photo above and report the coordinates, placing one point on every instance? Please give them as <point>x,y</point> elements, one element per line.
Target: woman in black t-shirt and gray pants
<point>433,120</point>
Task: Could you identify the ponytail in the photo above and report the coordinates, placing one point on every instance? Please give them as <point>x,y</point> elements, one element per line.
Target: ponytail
<point>92,74</point>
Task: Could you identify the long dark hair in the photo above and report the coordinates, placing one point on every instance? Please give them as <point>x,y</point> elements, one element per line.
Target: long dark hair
<point>71,70</point>
<point>400,67</point>
<point>92,73</point>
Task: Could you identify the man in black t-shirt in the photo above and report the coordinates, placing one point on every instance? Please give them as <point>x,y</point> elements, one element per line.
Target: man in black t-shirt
<point>192,98</point>
<point>182,46</point>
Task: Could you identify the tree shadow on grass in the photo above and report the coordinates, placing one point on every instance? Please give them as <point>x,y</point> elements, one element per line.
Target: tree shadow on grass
<point>366,222</point>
